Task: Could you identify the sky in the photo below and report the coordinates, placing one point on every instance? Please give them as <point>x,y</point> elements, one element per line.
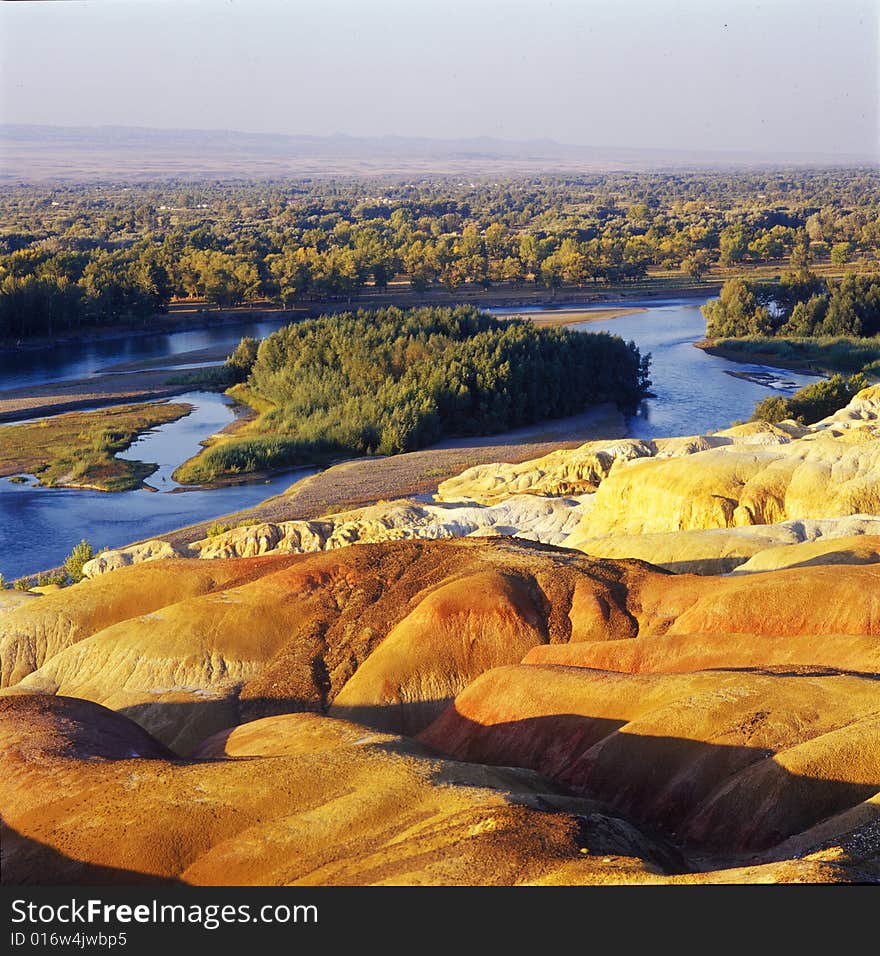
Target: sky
<point>779,76</point>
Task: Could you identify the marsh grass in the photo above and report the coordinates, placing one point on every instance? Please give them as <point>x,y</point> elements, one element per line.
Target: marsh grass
<point>826,353</point>
<point>80,448</point>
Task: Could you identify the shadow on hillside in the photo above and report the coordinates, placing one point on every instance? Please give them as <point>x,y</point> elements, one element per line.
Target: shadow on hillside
<point>702,567</point>
<point>714,567</point>
<point>701,794</point>
<point>183,725</point>
<point>673,785</point>
<point>706,795</point>
<point>794,669</point>
<point>653,797</point>
<point>28,862</point>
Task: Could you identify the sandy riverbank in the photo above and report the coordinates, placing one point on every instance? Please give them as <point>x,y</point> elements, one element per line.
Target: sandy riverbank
<point>363,481</point>
<point>565,317</point>
<point>98,392</point>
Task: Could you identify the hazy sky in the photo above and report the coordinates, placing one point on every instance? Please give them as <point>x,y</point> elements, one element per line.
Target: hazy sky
<point>779,75</point>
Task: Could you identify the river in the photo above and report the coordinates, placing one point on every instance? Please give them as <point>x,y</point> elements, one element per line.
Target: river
<point>30,367</point>
<point>40,526</point>
<point>694,392</point>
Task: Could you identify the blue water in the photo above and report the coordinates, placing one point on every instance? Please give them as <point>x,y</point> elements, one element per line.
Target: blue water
<point>26,367</point>
<point>40,526</point>
<point>694,393</point>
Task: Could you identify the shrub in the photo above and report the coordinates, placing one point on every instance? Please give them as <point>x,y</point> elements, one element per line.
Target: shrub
<point>813,402</point>
<point>77,558</point>
<point>240,363</point>
<point>45,578</point>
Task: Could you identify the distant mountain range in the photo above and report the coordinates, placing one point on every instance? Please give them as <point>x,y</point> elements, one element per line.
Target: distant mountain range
<point>35,153</point>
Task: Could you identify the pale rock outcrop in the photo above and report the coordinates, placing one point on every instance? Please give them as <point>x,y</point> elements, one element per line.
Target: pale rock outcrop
<point>565,472</point>
<point>817,476</point>
<point>705,504</point>
<point>857,549</point>
<point>582,470</point>
<point>743,549</point>
<point>750,474</point>
<point>153,550</point>
<point>547,520</point>
<point>245,542</point>
<point>864,409</point>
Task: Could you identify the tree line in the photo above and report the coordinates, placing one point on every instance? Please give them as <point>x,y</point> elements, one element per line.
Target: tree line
<point>390,381</point>
<point>801,304</point>
<point>93,255</point>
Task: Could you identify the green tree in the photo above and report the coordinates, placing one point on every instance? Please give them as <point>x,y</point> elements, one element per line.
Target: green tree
<point>696,264</point>
<point>736,312</point>
<point>241,361</point>
<point>841,253</point>
<point>77,559</point>
<point>801,257</point>
<point>733,244</point>
<point>528,255</point>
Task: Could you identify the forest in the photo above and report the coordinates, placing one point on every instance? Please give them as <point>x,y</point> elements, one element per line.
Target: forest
<point>392,380</point>
<point>800,305</point>
<point>73,256</point>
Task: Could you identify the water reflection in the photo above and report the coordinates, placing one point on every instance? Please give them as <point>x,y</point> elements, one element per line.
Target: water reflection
<point>694,392</point>
<point>82,359</point>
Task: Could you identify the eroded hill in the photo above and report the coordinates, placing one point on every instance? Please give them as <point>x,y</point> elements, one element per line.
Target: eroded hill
<point>409,694</point>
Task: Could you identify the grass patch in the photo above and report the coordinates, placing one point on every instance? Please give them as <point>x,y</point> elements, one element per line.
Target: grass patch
<point>79,448</point>
<point>825,354</point>
<point>247,455</point>
<point>247,396</point>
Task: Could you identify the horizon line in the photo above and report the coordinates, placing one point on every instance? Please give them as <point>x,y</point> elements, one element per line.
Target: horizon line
<point>547,142</point>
